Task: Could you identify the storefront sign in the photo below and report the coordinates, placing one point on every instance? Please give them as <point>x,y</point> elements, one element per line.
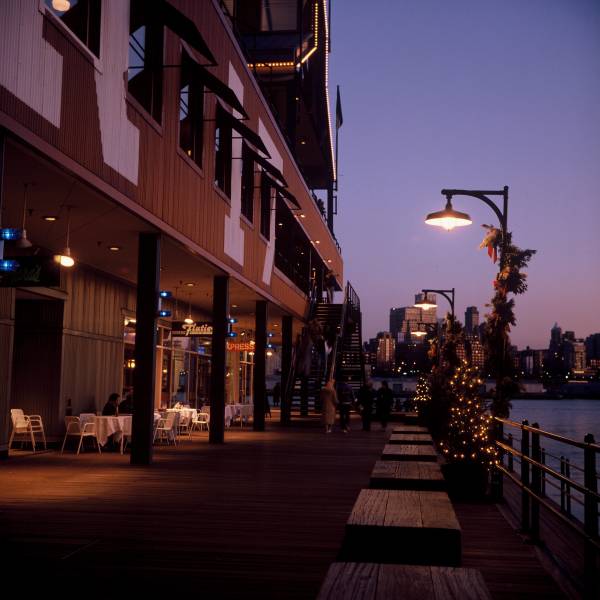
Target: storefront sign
<point>32,271</point>
<point>240,346</point>
<point>182,329</point>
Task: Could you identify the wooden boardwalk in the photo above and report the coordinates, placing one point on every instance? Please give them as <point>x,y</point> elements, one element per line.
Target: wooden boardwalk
<point>261,516</point>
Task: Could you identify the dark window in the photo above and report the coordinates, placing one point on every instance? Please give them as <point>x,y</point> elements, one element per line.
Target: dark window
<point>191,110</point>
<point>265,206</point>
<point>145,58</point>
<point>223,154</point>
<point>82,17</point>
<point>247,183</point>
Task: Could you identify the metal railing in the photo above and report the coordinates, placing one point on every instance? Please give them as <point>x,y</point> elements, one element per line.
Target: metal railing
<point>535,475</point>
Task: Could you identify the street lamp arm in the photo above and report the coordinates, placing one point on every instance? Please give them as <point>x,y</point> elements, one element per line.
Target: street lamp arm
<point>445,294</point>
<point>483,196</point>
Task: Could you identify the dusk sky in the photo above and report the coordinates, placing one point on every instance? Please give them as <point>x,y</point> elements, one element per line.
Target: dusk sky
<point>470,94</point>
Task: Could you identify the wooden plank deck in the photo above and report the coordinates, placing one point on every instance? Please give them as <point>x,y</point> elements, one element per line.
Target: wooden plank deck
<point>261,516</point>
<point>409,429</point>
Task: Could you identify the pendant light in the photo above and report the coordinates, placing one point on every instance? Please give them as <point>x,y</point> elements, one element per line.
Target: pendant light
<point>24,242</point>
<point>189,319</point>
<point>61,5</point>
<point>65,259</point>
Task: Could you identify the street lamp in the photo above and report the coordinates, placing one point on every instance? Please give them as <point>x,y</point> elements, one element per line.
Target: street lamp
<point>426,304</point>
<point>450,218</point>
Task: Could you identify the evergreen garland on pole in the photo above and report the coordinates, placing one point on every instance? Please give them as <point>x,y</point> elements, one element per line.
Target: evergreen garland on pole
<point>510,279</point>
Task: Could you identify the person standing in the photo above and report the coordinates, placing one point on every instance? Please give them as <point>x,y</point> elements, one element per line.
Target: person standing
<point>330,283</point>
<point>345,400</point>
<point>385,399</point>
<point>276,394</point>
<point>366,399</point>
<point>328,401</point>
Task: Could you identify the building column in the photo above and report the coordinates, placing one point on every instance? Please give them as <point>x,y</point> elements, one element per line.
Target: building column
<point>260,367</point>
<point>216,433</point>
<point>7,303</point>
<point>144,376</point>
<point>286,368</point>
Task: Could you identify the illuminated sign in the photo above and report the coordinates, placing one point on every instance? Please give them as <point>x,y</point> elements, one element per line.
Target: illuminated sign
<point>183,329</point>
<point>240,346</point>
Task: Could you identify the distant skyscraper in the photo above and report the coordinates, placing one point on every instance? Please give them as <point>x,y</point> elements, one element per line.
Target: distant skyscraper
<point>471,320</point>
<point>408,318</point>
<point>386,351</point>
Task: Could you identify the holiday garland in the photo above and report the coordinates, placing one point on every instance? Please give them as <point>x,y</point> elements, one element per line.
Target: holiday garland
<point>509,280</point>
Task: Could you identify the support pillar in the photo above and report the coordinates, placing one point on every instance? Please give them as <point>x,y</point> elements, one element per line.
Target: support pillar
<point>6,336</point>
<point>287,383</point>
<point>144,376</point>
<point>219,359</point>
<point>260,354</point>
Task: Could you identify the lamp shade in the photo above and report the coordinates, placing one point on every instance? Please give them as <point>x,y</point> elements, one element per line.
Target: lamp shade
<point>448,218</point>
<point>425,304</point>
<point>418,333</point>
<point>65,259</point>
<point>61,5</point>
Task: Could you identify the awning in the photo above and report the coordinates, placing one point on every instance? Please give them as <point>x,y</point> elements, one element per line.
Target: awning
<point>245,131</point>
<point>284,193</point>
<point>215,85</point>
<point>271,169</point>
<point>179,24</point>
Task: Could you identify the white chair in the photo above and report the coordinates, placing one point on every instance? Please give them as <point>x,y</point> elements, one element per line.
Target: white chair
<point>185,425</point>
<point>75,429</point>
<point>202,419</point>
<point>26,425</point>
<point>167,428</point>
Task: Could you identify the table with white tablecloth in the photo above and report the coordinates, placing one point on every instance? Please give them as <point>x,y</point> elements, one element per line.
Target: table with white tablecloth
<point>116,426</point>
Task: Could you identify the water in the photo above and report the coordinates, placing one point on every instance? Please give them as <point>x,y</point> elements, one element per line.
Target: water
<point>569,418</point>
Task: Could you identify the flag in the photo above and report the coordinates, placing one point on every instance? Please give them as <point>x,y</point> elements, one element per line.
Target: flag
<point>339,118</point>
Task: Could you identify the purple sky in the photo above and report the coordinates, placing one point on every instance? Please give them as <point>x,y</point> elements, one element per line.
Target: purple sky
<point>475,95</point>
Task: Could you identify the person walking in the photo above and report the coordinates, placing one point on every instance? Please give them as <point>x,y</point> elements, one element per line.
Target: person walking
<point>366,399</point>
<point>328,401</point>
<point>385,399</point>
<point>345,400</point>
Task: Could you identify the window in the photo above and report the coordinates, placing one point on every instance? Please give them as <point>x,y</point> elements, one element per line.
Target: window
<point>191,110</point>
<point>223,154</point>
<point>82,17</point>
<point>265,206</point>
<point>145,59</point>
<point>247,183</point>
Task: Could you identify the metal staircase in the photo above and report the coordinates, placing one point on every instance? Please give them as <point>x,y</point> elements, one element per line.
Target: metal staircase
<point>341,325</point>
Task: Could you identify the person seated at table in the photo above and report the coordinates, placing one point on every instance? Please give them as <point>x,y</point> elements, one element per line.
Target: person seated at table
<point>126,405</point>
<point>111,408</point>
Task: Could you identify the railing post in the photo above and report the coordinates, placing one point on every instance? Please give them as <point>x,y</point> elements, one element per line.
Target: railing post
<point>568,485</point>
<point>496,474</point>
<point>543,461</point>
<point>536,484</point>
<point>511,464</point>
<point>563,486</point>
<point>524,478</point>
<point>590,520</point>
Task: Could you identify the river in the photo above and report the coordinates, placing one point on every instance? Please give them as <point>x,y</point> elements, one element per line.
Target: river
<point>569,418</point>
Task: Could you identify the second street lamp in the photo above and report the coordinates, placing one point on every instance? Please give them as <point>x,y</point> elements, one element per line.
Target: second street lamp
<point>425,303</point>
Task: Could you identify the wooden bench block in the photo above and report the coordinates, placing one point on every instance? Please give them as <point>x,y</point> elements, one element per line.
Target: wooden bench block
<point>407,475</point>
<point>411,438</point>
<point>410,429</point>
<point>369,581</point>
<point>402,527</point>
<point>420,452</point>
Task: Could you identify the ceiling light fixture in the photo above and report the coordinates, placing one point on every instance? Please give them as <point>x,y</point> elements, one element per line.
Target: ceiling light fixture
<point>24,242</point>
<point>50,218</point>
<point>65,259</point>
<point>61,5</point>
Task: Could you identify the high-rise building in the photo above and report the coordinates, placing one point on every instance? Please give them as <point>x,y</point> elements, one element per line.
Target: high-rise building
<point>471,320</point>
<point>574,353</point>
<point>410,318</point>
<point>386,351</point>
<point>592,347</point>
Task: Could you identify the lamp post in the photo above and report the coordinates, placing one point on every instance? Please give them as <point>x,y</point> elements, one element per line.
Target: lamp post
<point>450,218</point>
<point>426,304</point>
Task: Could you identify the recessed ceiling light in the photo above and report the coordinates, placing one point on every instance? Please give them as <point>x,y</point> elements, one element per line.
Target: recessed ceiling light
<point>50,218</point>
<point>234,306</point>
<point>190,284</point>
<point>302,216</point>
<point>114,248</point>
<point>317,241</point>
<point>329,260</point>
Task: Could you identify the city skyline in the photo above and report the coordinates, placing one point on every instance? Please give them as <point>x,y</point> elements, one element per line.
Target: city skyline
<point>435,110</point>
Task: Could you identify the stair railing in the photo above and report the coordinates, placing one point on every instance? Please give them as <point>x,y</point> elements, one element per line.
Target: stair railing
<point>334,351</point>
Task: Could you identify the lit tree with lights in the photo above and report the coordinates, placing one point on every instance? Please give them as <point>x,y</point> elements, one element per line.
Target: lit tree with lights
<point>468,436</point>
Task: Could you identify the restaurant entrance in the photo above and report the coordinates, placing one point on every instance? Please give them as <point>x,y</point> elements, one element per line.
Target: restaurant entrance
<point>37,356</point>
